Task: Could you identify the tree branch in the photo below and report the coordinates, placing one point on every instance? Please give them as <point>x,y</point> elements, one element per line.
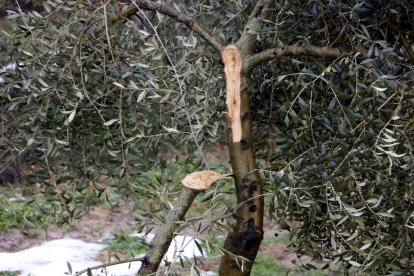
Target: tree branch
<point>248,38</point>
<point>293,50</point>
<point>108,264</point>
<point>260,9</point>
<point>124,15</point>
<point>282,10</point>
<point>193,184</point>
<point>190,22</point>
<point>165,233</point>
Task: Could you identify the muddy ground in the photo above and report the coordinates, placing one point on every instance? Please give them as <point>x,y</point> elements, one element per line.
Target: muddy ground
<point>101,223</point>
<point>98,224</point>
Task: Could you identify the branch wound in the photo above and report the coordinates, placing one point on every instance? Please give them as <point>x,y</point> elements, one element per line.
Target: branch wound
<point>232,68</point>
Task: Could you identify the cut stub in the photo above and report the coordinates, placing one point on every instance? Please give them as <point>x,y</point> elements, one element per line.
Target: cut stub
<point>202,180</point>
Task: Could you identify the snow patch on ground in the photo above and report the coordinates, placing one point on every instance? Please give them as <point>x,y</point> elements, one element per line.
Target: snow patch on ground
<point>50,258</point>
<point>183,246</point>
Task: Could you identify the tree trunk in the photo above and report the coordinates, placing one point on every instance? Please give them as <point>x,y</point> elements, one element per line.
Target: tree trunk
<point>247,235</point>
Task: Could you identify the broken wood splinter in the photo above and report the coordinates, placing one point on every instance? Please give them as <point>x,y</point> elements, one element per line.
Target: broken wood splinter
<point>232,69</point>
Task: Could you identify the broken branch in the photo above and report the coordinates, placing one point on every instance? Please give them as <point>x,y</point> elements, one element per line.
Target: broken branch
<point>232,69</point>
<point>193,184</point>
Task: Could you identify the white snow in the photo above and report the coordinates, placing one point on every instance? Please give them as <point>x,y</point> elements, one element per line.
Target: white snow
<point>50,258</point>
<point>184,246</point>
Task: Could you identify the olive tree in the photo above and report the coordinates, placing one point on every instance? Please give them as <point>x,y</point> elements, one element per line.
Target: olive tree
<point>316,97</point>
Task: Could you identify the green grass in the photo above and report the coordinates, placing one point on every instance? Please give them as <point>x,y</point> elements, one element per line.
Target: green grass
<point>26,215</point>
<point>268,265</point>
<point>265,265</point>
<point>8,273</point>
<point>125,244</point>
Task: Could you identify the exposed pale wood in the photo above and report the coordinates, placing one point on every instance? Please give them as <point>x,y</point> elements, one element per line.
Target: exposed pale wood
<point>202,180</point>
<point>232,69</point>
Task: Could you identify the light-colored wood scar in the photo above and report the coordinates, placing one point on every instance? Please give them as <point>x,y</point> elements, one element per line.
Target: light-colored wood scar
<point>232,69</point>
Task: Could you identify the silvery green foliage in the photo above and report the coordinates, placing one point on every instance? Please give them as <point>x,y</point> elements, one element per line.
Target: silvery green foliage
<point>337,142</point>
<point>93,98</point>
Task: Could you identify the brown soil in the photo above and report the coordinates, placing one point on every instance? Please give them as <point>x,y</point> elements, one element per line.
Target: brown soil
<point>99,223</point>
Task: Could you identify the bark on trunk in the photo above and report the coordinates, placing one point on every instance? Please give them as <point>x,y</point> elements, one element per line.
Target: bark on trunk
<point>247,235</point>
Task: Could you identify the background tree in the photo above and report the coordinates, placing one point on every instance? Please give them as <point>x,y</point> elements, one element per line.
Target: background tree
<point>105,89</point>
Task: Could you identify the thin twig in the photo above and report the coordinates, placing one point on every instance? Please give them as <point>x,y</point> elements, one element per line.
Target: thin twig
<point>179,82</point>
<point>282,10</point>
<point>107,31</point>
<point>109,264</point>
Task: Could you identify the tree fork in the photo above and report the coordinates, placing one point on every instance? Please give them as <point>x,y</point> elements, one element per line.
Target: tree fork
<point>246,237</point>
<point>239,61</point>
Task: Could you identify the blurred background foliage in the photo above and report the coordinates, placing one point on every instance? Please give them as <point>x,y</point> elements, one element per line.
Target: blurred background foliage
<point>90,102</point>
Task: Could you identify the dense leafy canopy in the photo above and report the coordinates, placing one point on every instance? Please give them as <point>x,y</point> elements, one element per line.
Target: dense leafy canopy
<point>338,151</point>
<point>93,95</point>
